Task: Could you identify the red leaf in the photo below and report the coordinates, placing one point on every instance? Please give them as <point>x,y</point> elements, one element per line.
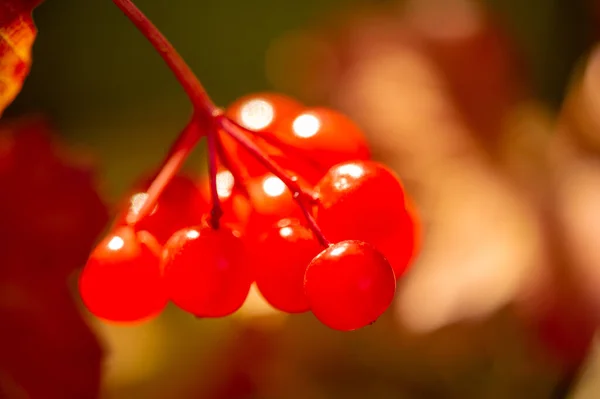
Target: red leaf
<point>17,33</point>
<point>46,347</point>
<point>50,216</point>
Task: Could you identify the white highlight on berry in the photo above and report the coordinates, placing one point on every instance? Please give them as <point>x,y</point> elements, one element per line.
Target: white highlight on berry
<point>306,125</point>
<point>115,243</point>
<point>257,114</point>
<point>339,250</point>
<point>285,231</point>
<point>351,169</point>
<point>273,186</point>
<point>225,184</point>
<point>192,234</point>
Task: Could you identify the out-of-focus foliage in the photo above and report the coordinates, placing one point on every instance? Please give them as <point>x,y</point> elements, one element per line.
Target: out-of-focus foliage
<point>50,216</point>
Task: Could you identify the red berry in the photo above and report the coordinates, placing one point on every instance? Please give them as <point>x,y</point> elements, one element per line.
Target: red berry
<point>271,201</point>
<point>398,248</point>
<point>326,136</point>
<point>280,258</point>
<point>122,279</point>
<point>206,271</point>
<point>180,205</point>
<point>401,248</point>
<point>364,200</point>
<point>359,194</point>
<point>349,285</point>
<point>264,113</point>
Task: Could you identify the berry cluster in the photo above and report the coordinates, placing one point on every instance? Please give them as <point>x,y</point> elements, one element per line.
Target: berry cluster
<point>283,181</point>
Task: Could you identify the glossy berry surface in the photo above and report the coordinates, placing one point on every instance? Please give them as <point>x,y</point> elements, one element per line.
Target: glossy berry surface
<point>326,136</point>
<point>122,279</point>
<point>264,113</point>
<point>364,200</point>
<point>181,204</point>
<point>280,258</point>
<point>349,285</point>
<point>306,140</point>
<point>271,201</point>
<point>398,248</point>
<point>206,271</point>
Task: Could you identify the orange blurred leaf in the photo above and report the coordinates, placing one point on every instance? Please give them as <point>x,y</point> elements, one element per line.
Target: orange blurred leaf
<point>17,34</point>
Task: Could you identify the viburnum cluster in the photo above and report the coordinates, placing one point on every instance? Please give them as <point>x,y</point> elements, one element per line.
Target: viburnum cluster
<point>292,202</point>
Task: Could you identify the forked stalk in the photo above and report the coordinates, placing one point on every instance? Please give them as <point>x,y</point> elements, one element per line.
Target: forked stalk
<point>288,149</point>
<point>207,118</point>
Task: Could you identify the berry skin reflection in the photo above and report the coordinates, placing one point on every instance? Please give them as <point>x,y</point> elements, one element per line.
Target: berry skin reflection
<point>291,202</point>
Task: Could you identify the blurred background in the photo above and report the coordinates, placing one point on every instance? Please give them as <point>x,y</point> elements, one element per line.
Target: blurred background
<point>488,110</point>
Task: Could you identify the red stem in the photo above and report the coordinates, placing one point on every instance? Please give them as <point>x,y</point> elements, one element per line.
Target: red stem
<point>240,135</point>
<point>299,195</point>
<point>177,155</point>
<point>204,109</point>
<point>215,212</point>
<point>202,103</point>
<point>288,149</point>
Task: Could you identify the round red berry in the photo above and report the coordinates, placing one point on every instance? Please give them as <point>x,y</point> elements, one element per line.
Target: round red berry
<point>206,271</point>
<point>122,280</point>
<point>271,201</point>
<point>349,285</point>
<point>280,258</point>
<point>325,136</point>
<point>364,200</point>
